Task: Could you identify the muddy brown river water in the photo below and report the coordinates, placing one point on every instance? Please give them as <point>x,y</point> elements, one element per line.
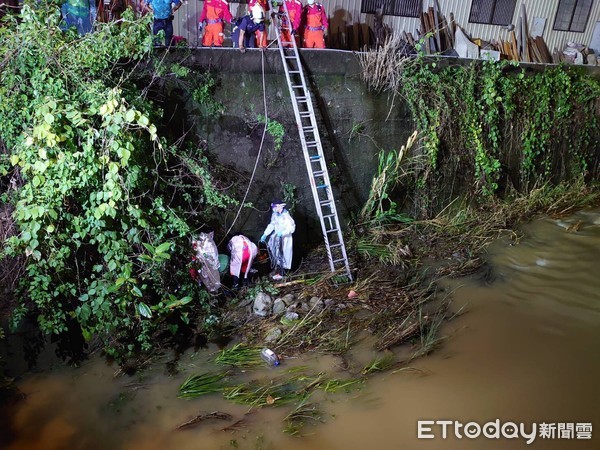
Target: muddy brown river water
<point>527,352</point>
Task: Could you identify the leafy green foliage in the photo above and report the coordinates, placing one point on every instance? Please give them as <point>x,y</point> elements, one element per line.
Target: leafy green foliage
<point>94,182</point>
<point>289,196</point>
<point>275,130</point>
<point>380,207</point>
<point>264,286</point>
<point>487,124</point>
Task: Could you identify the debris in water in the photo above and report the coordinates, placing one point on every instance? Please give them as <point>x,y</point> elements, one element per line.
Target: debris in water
<point>218,415</point>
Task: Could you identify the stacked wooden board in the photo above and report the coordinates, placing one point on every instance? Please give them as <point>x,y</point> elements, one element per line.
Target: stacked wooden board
<point>437,35</point>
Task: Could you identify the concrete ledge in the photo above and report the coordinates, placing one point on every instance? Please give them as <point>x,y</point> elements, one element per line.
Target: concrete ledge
<point>316,61</point>
<point>231,60</point>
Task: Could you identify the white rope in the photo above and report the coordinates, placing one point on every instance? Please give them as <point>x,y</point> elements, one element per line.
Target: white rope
<point>262,140</point>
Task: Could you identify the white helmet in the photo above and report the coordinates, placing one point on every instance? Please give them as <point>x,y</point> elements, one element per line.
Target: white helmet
<point>258,14</point>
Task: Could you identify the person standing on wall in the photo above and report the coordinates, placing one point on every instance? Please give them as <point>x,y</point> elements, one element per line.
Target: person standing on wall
<point>280,242</point>
<point>314,25</point>
<point>243,35</point>
<point>163,17</point>
<point>214,13</point>
<point>261,35</point>
<point>294,8</point>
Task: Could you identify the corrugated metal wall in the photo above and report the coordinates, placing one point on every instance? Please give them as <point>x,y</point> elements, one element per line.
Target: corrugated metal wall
<point>349,28</point>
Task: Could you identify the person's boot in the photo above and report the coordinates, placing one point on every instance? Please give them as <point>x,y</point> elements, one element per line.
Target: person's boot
<point>236,283</point>
<point>279,274</point>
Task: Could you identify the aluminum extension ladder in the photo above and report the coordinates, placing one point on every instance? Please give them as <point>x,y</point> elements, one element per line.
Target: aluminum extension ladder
<point>312,148</point>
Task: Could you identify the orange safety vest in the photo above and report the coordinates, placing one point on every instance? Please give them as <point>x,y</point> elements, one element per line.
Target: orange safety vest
<point>315,17</point>
<point>215,11</point>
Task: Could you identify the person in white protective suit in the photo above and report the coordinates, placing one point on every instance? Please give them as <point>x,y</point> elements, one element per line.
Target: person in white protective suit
<point>243,251</point>
<point>280,242</point>
<point>207,255</point>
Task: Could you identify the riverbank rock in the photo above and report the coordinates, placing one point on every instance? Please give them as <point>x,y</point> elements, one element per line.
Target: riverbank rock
<point>279,307</point>
<point>291,316</point>
<point>289,299</point>
<point>316,304</point>
<point>273,335</point>
<point>262,304</point>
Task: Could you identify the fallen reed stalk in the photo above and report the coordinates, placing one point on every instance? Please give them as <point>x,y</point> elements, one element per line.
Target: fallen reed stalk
<point>198,385</point>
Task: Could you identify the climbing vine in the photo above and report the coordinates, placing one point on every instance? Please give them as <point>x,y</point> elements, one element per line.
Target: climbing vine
<point>493,125</point>
<point>101,197</point>
<point>275,130</point>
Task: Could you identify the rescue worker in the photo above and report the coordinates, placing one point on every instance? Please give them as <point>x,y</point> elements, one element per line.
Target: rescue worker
<point>243,35</point>
<point>214,13</point>
<point>163,17</point>
<point>242,251</point>
<point>314,24</point>
<point>294,8</point>
<point>261,35</point>
<point>207,256</point>
<point>281,242</point>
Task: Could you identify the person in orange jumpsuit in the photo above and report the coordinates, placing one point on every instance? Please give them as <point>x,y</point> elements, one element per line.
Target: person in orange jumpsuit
<point>314,24</point>
<point>214,13</point>
<point>261,36</point>
<point>294,8</point>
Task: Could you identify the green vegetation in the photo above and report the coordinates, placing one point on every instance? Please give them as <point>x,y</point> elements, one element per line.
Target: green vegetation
<point>492,126</point>
<point>380,207</point>
<point>100,202</point>
<point>379,364</point>
<point>275,130</point>
<point>240,355</point>
<point>304,412</point>
<point>198,385</point>
<point>289,196</point>
<point>292,388</point>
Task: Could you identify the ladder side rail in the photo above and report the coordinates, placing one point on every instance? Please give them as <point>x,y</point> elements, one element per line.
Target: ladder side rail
<point>299,121</point>
<point>333,218</point>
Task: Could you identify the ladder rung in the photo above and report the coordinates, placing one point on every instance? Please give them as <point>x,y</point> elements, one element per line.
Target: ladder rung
<point>311,143</point>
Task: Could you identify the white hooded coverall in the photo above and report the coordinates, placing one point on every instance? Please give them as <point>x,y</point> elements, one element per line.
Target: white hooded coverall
<point>281,224</point>
<point>236,250</point>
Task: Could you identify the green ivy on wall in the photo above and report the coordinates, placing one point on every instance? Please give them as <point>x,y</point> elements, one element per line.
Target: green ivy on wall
<point>485,118</point>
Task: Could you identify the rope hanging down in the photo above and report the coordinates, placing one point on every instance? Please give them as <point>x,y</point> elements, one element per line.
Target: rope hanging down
<point>262,140</point>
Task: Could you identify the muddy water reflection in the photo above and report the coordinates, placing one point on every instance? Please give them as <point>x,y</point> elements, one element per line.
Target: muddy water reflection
<point>528,350</point>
